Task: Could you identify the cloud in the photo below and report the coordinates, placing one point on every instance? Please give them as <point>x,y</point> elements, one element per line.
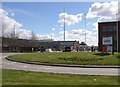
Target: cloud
<point>26,13</point>
<point>104,11</point>
<point>53,29</point>
<point>23,34</point>
<point>95,25</point>
<point>67,34</point>
<point>79,34</point>
<point>69,18</point>
<point>95,28</point>
<point>8,24</point>
<point>44,37</point>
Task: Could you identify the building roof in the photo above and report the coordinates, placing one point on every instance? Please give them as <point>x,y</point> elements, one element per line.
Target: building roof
<point>108,21</point>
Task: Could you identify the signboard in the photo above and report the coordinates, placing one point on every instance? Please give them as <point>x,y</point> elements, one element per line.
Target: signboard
<point>107,41</point>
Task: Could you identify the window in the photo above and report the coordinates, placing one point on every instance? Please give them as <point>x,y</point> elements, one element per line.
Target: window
<point>110,28</point>
<point>114,28</point>
<point>104,28</point>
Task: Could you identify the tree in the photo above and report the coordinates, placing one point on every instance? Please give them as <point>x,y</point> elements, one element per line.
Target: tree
<point>12,34</point>
<point>33,36</point>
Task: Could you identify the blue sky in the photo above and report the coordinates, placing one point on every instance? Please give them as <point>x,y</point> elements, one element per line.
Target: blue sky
<point>44,18</point>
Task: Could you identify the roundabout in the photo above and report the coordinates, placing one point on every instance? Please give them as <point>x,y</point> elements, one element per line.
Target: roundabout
<point>6,64</point>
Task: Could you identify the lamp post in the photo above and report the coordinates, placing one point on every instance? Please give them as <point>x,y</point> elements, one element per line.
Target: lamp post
<point>85,26</point>
<point>64,29</point>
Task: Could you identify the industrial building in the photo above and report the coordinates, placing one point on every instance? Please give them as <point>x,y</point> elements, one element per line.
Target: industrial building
<point>23,45</point>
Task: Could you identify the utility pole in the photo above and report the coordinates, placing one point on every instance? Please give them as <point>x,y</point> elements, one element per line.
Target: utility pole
<point>85,26</point>
<point>64,28</point>
<point>85,29</point>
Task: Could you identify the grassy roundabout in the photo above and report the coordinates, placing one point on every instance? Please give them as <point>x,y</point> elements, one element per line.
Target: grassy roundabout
<point>18,77</point>
<point>78,58</point>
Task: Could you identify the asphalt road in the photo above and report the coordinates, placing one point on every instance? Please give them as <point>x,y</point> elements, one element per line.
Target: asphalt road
<point>55,69</point>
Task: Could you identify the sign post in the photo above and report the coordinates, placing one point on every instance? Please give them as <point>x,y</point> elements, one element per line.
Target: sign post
<point>113,47</point>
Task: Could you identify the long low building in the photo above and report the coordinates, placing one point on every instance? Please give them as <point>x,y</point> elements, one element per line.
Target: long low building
<point>23,45</point>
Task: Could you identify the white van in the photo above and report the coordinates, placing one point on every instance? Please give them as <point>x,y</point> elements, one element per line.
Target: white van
<point>48,50</point>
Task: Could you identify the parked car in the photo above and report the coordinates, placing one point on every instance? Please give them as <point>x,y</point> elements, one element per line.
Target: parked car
<point>67,49</point>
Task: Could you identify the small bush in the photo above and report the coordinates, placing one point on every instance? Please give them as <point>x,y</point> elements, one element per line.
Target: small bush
<point>102,54</point>
<point>79,59</point>
<point>118,56</point>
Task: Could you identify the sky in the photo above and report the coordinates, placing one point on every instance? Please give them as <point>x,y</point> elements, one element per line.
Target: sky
<point>46,19</point>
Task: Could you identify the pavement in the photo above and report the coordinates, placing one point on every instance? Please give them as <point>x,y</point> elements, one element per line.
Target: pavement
<point>86,70</point>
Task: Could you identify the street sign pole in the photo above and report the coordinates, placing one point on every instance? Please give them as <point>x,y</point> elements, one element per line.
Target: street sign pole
<point>112,45</point>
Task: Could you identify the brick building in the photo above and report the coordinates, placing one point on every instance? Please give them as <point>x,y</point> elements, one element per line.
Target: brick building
<point>109,29</point>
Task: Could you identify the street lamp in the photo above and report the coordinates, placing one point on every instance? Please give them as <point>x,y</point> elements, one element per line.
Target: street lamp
<point>64,29</point>
<point>85,29</point>
<point>85,26</point>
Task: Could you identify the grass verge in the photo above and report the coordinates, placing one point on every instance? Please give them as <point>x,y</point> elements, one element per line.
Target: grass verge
<point>18,77</point>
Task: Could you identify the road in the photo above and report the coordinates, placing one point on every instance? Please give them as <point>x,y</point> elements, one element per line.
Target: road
<point>55,69</point>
